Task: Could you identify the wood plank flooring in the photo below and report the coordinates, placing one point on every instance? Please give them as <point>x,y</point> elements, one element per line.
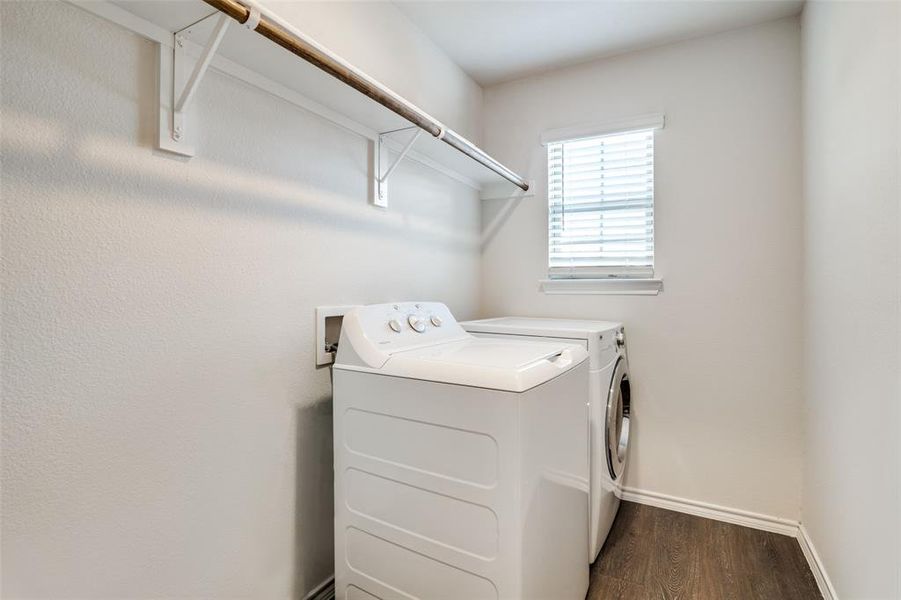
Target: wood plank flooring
<point>657,554</point>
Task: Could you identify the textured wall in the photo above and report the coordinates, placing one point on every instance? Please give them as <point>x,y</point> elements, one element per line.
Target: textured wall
<point>165,432</point>
<point>852,344</point>
<point>715,357</point>
<point>380,39</point>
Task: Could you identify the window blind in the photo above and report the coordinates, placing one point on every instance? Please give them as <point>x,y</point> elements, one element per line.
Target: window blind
<point>601,206</point>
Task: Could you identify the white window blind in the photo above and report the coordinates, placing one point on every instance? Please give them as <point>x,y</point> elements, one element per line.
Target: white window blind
<point>601,206</point>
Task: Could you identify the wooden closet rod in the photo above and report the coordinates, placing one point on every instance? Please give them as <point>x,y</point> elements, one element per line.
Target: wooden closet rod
<point>294,41</point>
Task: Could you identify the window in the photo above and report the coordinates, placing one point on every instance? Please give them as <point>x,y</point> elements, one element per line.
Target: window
<point>601,206</point>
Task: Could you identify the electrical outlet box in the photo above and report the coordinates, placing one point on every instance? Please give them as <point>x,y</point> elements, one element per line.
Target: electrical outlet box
<point>328,330</point>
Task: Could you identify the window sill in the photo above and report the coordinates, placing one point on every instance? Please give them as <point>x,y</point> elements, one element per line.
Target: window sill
<point>608,286</point>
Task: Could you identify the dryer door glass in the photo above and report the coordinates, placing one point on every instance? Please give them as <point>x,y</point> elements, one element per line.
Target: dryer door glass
<point>619,408</point>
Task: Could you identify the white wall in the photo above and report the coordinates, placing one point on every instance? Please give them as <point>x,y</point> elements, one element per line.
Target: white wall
<point>852,475</point>
<point>380,39</point>
<point>164,430</point>
<point>716,356</point>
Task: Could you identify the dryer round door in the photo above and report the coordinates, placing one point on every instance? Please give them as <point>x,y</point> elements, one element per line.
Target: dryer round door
<point>619,410</point>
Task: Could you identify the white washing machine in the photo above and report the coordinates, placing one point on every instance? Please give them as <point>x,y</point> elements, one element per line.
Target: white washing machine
<point>461,463</point>
<point>609,401</point>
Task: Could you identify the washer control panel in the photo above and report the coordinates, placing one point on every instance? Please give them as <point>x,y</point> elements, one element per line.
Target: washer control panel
<point>379,330</point>
<point>418,317</point>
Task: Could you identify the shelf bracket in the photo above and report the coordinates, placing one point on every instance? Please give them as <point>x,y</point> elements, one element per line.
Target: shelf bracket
<point>200,67</point>
<point>381,180</point>
<point>178,86</point>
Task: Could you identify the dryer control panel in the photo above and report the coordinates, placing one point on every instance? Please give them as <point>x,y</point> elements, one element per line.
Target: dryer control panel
<point>371,334</point>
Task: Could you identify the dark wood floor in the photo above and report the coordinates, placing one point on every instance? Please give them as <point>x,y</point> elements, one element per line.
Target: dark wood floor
<point>653,553</point>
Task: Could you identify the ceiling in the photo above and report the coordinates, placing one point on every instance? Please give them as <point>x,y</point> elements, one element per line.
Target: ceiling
<point>497,41</point>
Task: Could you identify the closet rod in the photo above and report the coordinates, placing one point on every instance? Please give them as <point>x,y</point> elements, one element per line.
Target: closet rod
<point>289,38</point>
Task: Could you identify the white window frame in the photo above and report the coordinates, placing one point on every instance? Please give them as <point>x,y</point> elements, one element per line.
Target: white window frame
<point>606,282</point>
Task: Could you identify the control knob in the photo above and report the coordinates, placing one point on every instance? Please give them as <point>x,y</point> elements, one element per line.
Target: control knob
<point>394,324</point>
<point>417,323</point>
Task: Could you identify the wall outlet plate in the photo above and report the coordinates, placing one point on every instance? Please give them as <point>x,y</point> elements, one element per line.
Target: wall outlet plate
<point>328,329</point>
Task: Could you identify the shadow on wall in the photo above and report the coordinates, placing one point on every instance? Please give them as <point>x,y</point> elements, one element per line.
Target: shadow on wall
<point>496,212</point>
<point>314,499</point>
<point>202,184</point>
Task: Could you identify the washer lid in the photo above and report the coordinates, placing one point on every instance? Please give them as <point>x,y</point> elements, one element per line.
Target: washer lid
<point>508,365</point>
<point>565,328</point>
<point>422,340</point>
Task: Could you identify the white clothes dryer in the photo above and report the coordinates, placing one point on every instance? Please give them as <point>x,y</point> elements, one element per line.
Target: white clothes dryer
<point>609,399</point>
<point>461,463</point>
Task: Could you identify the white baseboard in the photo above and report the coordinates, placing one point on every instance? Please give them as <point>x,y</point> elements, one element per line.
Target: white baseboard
<point>816,565</point>
<point>323,591</point>
<point>746,519</point>
<point>713,511</point>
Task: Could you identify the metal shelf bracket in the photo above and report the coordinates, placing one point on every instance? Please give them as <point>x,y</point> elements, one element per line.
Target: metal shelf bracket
<point>381,179</point>
<point>179,77</point>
